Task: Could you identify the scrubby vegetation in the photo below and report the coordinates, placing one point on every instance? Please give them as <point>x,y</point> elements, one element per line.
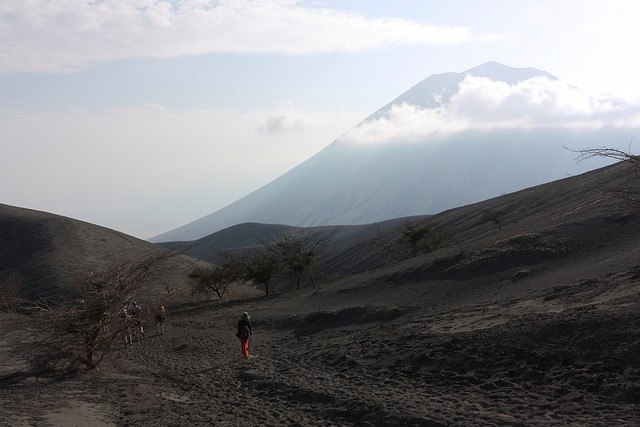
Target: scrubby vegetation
<point>78,333</point>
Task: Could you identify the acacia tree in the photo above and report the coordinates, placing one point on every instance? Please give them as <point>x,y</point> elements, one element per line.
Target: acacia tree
<point>296,255</point>
<point>80,332</point>
<point>217,279</point>
<point>411,239</point>
<point>261,269</point>
<point>415,236</point>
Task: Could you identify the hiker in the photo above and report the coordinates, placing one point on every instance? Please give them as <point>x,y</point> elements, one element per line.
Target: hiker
<point>125,321</point>
<point>136,314</point>
<point>161,315</point>
<point>244,334</point>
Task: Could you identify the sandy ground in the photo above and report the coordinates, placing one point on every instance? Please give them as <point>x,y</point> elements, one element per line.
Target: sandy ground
<point>366,353</point>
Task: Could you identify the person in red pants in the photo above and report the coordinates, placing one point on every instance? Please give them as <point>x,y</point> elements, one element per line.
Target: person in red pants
<point>244,334</point>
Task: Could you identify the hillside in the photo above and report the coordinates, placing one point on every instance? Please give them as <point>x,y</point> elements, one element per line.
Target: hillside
<point>557,209</point>
<point>239,238</point>
<point>51,252</point>
<point>534,322</point>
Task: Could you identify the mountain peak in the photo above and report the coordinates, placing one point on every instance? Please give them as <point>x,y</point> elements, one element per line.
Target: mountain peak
<point>439,88</point>
<point>496,71</point>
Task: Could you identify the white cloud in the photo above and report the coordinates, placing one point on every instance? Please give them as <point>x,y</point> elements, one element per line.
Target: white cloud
<point>483,104</point>
<point>173,166</point>
<point>289,122</point>
<point>45,36</point>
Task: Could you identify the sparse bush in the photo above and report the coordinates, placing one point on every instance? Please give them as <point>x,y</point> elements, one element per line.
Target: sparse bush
<point>629,189</point>
<point>217,278</point>
<point>416,237</point>
<point>493,216</point>
<point>81,332</point>
<point>11,284</point>
<point>387,245</point>
<point>262,269</point>
<point>296,256</point>
<point>413,238</point>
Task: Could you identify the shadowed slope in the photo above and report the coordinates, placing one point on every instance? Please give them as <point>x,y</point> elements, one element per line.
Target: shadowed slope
<point>571,214</point>
<point>52,252</point>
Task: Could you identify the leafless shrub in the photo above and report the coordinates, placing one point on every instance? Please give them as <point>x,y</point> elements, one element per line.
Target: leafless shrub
<point>629,189</point>
<point>79,333</point>
<point>387,245</point>
<point>11,284</point>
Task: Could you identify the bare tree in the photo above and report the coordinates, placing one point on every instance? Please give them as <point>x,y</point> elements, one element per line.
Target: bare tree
<point>79,333</point>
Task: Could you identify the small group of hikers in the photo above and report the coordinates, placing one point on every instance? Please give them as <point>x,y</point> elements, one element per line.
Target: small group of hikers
<point>132,315</point>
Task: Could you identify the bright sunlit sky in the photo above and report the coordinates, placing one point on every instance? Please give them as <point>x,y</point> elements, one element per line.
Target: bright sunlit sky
<point>143,115</point>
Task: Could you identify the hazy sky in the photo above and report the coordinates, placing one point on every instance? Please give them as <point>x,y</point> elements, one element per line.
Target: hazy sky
<point>143,115</point>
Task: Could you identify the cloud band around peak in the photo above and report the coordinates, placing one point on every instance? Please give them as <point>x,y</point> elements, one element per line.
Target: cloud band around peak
<point>484,104</point>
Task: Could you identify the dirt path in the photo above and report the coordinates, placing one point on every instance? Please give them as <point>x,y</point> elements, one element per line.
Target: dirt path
<point>564,355</point>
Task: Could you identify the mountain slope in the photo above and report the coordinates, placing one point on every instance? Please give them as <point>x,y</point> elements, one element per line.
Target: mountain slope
<point>247,236</point>
<point>51,252</point>
<point>348,183</point>
<point>572,210</point>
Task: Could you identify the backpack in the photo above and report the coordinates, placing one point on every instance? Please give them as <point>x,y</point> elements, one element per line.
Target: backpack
<point>245,332</point>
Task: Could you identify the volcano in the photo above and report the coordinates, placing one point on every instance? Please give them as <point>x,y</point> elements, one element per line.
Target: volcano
<point>418,172</point>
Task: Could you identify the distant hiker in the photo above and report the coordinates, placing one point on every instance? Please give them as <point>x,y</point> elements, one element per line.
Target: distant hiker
<point>136,314</point>
<point>161,315</point>
<point>125,322</point>
<point>244,334</point>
